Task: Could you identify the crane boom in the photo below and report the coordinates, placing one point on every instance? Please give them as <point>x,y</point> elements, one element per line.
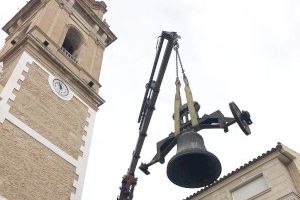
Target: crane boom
<point>148,106</point>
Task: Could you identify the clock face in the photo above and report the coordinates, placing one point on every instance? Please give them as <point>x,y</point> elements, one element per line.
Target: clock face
<point>60,87</point>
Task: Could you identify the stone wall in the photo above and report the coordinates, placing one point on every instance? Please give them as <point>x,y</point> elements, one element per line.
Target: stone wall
<point>61,122</point>
<point>29,170</point>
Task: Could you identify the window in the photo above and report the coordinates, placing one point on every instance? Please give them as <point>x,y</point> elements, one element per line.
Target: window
<point>72,43</point>
<point>250,189</point>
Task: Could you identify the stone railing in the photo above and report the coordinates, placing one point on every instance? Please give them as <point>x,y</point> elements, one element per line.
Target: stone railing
<point>290,196</point>
<point>1,67</point>
<point>66,53</point>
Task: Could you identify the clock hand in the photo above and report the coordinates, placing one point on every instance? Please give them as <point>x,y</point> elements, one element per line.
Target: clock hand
<point>60,86</point>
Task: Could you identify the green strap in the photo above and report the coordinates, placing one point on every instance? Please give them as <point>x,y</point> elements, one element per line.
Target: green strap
<point>190,102</point>
<point>177,106</point>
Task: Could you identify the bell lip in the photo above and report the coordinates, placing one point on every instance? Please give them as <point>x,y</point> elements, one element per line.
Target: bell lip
<point>202,184</point>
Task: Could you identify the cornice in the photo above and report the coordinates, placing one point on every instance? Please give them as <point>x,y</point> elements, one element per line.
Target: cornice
<point>99,5</point>
<point>20,13</point>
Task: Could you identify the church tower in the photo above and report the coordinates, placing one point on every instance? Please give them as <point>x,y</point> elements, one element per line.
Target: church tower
<point>51,62</point>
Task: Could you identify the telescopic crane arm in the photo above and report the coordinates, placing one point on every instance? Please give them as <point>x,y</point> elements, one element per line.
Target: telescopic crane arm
<point>148,106</point>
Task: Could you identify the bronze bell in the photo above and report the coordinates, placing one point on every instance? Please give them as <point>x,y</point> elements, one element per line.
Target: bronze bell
<point>193,166</point>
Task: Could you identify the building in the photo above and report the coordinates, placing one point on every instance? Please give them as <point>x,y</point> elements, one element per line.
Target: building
<point>275,175</point>
<point>51,63</point>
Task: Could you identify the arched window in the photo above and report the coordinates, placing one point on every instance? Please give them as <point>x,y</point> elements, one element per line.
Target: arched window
<point>73,41</point>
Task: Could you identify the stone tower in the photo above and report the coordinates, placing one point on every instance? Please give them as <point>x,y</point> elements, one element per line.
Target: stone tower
<point>51,63</point>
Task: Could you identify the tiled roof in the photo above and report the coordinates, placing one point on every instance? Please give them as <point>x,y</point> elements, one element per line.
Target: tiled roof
<point>278,147</point>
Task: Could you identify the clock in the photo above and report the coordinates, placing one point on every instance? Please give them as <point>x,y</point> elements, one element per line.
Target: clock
<point>60,87</point>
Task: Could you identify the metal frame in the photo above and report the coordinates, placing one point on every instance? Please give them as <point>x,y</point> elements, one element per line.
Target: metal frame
<point>212,121</point>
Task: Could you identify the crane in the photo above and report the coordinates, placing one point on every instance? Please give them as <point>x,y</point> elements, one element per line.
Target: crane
<point>152,90</point>
<point>187,118</point>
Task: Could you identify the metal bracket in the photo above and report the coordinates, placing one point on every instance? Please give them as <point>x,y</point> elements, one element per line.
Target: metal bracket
<point>212,121</point>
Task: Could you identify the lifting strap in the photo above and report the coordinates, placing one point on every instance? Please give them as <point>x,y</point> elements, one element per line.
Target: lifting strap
<point>189,98</point>
<point>177,106</point>
<point>190,102</point>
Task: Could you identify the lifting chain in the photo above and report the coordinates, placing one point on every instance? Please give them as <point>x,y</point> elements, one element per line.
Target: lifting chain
<point>188,93</point>
<point>178,103</point>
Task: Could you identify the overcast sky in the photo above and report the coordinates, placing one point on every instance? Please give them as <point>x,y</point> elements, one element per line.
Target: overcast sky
<point>233,50</point>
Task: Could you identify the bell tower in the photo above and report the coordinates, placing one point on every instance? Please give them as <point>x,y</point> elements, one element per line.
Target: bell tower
<point>50,67</point>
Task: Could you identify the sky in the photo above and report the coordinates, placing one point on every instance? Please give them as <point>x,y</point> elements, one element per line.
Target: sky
<point>235,50</point>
